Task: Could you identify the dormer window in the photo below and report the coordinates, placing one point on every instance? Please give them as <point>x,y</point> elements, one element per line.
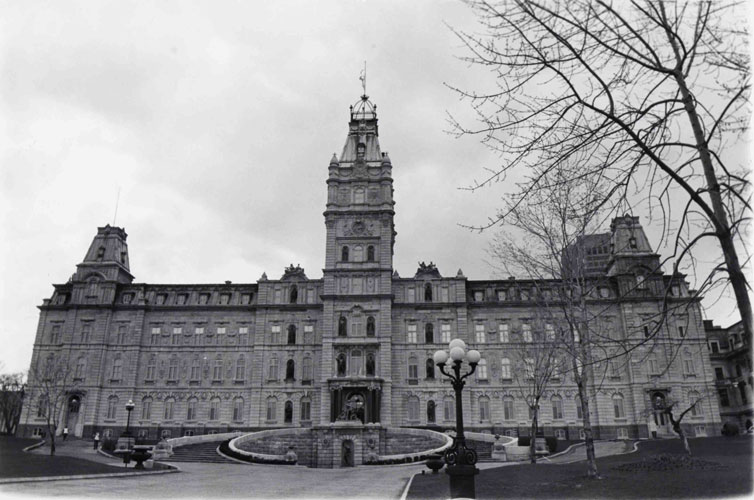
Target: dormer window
<point>161,298</point>
<point>100,253</point>
<point>641,282</point>
<point>632,242</point>
<point>123,257</point>
<point>360,151</point>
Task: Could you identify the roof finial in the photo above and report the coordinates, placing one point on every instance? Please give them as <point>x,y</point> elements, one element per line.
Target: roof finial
<point>363,78</point>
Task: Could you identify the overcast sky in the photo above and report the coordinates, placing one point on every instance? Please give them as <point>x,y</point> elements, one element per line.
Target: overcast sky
<point>216,121</point>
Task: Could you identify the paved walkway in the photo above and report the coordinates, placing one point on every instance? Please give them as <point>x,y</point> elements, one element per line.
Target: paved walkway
<point>243,481</point>
<point>601,449</point>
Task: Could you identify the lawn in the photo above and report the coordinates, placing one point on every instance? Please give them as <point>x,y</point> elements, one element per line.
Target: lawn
<point>722,466</point>
<point>15,463</point>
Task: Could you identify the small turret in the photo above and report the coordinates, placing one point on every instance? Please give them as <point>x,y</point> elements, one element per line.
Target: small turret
<point>107,256</point>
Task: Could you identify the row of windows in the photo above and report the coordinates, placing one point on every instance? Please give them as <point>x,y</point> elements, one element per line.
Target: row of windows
<point>355,253</point>
<point>481,335</point>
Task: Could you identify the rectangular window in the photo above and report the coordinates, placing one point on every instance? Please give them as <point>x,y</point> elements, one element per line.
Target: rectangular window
<point>308,334</point>
<point>411,333</point>
<point>121,334</point>
<point>203,298</point>
<point>503,332</point>
<point>224,299</point>
<point>715,347</point>
<point>410,295</point>
<point>413,370</point>
<point>478,296</point>
<point>306,410</point>
<point>271,410</point>
<point>444,294</point>
<point>526,332</point>
<point>237,410</point>
<point>719,373</point>
<point>146,409</point>
<point>618,407</point>
<point>550,332</point>
<point>508,410</point>
<point>505,369</point>
<point>181,299</point>
<point>614,369</point>
<point>681,332</point>
<point>175,339</point>
<point>191,410</point>
<point>449,410</point>
<point>579,413</point>
<point>155,339</point>
<point>195,370</point>
<point>445,332</point>
<point>479,333</point>
<point>214,409</point>
<point>55,334</point>
<point>86,330</point>
<point>275,334</point>
<point>245,299</point>
<point>501,296</point>
<point>723,395</point>
<point>653,369</point>
<point>413,409</point>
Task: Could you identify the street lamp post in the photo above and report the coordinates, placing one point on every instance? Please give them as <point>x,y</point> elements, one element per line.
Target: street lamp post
<point>129,408</point>
<point>459,457</point>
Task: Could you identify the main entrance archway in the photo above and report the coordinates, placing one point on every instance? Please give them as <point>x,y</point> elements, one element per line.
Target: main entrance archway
<point>72,415</point>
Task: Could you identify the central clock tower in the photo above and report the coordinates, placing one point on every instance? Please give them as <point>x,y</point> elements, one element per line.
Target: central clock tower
<point>357,299</point>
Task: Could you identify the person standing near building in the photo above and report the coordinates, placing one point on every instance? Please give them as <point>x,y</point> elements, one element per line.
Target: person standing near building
<point>65,433</point>
<point>652,427</point>
<point>96,440</point>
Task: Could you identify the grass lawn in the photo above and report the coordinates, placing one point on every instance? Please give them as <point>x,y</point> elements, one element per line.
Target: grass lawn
<point>14,463</point>
<point>724,468</point>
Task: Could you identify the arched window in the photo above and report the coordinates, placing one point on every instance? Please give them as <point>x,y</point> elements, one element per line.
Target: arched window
<point>342,327</point>
<point>294,294</point>
<point>358,253</point>
<point>370,326</point>
<point>112,407</point>
<point>238,409</point>
<point>429,333</point>
<point>370,253</point>
<point>272,409</point>
<point>273,369</point>
<point>291,334</point>
<point>509,410</point>
<point>241,368</point>
<point>306,371</point>
<point>481,370</point>
<point>341,362</point>
<point>191,409</point>
<point>290,366</point>
<point>428,292</point>
<point>618,406</point>
<point>169,408</point>
<point>173,369</point>
<point>557,407</point>
<point>146,408</point>
<point>214,409</point>
<point>370,365</point>
<point>484,409</point>
<point>344,254</point>
<point>430,365</point>
<point>431,411</point>
<point>288,412</point>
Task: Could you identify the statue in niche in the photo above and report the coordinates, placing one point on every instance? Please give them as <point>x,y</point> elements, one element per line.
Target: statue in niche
<point>353,408</point>
<point>341,365</point>
<point>370,364</point>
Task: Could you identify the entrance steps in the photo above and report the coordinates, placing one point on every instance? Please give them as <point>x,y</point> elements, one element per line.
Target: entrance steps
<point>200,452</point>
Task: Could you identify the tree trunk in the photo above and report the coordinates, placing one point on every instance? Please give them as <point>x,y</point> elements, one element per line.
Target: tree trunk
<point>721,222</point>
<point>591,457</point>
<point>532,447</point>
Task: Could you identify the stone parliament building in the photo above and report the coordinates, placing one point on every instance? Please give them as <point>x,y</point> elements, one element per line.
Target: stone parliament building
<point>357,343</point>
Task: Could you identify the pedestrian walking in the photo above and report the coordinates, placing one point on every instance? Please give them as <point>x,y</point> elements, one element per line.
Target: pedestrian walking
<point>96,440</point>
<point>65,433</point>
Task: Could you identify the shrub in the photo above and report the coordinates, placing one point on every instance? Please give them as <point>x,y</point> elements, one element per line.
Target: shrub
<point>524,440</point>
<point>109,444</point>
<point>552,444</point>
<point>730,429</point>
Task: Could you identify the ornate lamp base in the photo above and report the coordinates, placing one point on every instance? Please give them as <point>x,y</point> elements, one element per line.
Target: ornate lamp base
<point>462,480</point>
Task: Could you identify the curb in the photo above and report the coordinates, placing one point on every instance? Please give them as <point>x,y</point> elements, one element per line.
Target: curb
<point>34,446</point>
<point>87,476</point>
<point>408,487</point>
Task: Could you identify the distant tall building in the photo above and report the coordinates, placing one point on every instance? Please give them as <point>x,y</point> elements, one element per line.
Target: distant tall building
<point>358,342</point>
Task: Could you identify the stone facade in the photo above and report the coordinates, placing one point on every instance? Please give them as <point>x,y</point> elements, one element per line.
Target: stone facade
<point>355,344</point>
<point>730,354</point>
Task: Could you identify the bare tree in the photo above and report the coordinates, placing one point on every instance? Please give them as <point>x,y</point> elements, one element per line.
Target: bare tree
<point>12,390</point>
<point>644,99</point>
<point>676,422</point>
<point>539,363</point>
<point>51,381</point>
